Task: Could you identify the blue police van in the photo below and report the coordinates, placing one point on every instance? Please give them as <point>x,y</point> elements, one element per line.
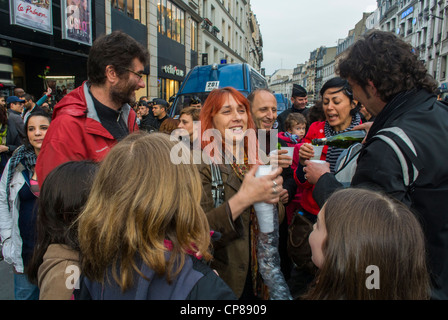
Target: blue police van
<point>201,80</point>
<point>283,103</point>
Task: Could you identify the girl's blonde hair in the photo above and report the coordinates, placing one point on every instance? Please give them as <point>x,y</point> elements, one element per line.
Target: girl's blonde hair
<point>138,200</point>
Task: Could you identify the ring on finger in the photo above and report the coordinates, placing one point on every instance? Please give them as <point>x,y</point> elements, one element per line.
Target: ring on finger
<point>274,190</point>
<point>275,183</point>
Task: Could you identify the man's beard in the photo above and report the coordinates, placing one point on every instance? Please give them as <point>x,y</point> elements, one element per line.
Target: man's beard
<point>122,94</point>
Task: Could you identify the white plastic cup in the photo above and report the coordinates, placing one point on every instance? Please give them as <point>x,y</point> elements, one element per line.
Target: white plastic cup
<point>290,151</point>
<point>319,161</point>
<point>263,210</point>
<point>263,170</point>
<point>317,152</point>
<point>265,216</point>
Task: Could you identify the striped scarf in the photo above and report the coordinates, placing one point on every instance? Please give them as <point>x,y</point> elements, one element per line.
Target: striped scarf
<point>23,155</point>
<point>294,138</point>
<point>333,153</point>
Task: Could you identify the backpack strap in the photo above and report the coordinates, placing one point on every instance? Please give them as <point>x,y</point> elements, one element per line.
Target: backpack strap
<point>217,185</point>
<point>347,155</point>
<point>399,141</point>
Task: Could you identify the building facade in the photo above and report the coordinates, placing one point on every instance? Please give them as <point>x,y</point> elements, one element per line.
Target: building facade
<point>424,25</point>
<point>179,34</point>
<point>281,82</point>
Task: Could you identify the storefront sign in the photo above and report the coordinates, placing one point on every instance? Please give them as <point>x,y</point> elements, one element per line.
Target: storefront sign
<point>170,69</point>
<point>77,21</point>
<point>35,14</point>
<point>407,12</point>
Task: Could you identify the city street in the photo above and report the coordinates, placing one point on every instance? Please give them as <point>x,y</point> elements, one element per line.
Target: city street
<point>6,281</point>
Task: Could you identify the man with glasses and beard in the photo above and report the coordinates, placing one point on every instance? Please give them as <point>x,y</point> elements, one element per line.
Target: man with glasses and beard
<point>91,119</point>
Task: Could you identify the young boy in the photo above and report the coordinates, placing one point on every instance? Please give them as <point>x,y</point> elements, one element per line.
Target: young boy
<point>295,125</point>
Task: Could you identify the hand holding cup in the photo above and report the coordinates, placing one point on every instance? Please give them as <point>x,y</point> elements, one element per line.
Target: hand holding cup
<point>307,151</point>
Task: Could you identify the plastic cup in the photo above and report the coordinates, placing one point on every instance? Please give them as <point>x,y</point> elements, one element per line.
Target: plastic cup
<point>317,152</point>
<point>263,210</point>
<point>265,216</point>
<point>263,170</point>
<point>319,161</point>
<point>290,151</point>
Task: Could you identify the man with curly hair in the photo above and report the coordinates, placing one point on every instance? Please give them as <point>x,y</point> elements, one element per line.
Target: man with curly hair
<point>388,78</point>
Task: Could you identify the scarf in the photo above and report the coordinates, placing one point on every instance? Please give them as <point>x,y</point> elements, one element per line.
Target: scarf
<point>294,138</point>
<point>23,155</point>
<point>333,153</point>
<point>258,286</point>
<point>3,132</point>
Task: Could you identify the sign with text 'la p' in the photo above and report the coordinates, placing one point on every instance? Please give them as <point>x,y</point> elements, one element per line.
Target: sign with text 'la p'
<point>33,14</point>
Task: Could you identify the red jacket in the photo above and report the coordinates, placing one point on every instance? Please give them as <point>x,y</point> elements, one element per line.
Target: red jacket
<point>307,201</point>
<point>75,133</point>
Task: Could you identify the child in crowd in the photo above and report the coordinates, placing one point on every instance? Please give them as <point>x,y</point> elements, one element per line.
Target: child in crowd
<point>367,246</point>
<point>56,254</point>
<point>295,125</point>
<point>143,234</point>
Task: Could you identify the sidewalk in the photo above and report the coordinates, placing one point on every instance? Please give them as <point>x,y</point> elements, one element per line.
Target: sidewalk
<point>6,281</point>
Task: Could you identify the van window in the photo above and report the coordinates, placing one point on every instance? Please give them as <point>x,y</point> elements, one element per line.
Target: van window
<point>257,81</point>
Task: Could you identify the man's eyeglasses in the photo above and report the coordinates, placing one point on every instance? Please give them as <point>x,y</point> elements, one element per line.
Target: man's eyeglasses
<point>138,74</point>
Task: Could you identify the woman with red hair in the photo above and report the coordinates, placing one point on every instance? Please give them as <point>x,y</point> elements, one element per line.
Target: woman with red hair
<point>229,142</point>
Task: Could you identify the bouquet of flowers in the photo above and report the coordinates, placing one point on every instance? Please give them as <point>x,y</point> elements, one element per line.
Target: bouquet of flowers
<point>44,76</point>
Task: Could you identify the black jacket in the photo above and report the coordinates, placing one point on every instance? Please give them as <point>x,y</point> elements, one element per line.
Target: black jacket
<point>424,120</point>
<point>147,123</point>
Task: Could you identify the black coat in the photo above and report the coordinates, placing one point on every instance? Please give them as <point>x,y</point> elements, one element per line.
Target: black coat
<point>424,120</point>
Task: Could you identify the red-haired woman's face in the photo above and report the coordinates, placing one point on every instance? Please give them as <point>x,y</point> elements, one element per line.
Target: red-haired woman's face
<point>231,119</point>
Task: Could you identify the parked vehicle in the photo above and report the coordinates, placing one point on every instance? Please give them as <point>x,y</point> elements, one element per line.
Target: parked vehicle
<point>283,103</point>
<point>201,80</point>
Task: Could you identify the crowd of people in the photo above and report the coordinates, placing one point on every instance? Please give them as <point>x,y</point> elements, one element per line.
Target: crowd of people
<point>92,187</point>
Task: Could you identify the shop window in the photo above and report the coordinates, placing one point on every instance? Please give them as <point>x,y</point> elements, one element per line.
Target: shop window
<point>171,21</point>
<point>134,9</point>
<point>168,88</point>
<point>119,5</point>
<point>130,9</point>
<point>194,35</point>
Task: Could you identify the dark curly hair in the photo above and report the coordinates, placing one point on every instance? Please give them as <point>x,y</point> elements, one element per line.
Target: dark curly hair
<point>389,62</point>
<point>117,49</point>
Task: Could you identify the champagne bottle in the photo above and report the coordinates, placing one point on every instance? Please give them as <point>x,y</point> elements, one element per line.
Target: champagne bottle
<point>342,140</point>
